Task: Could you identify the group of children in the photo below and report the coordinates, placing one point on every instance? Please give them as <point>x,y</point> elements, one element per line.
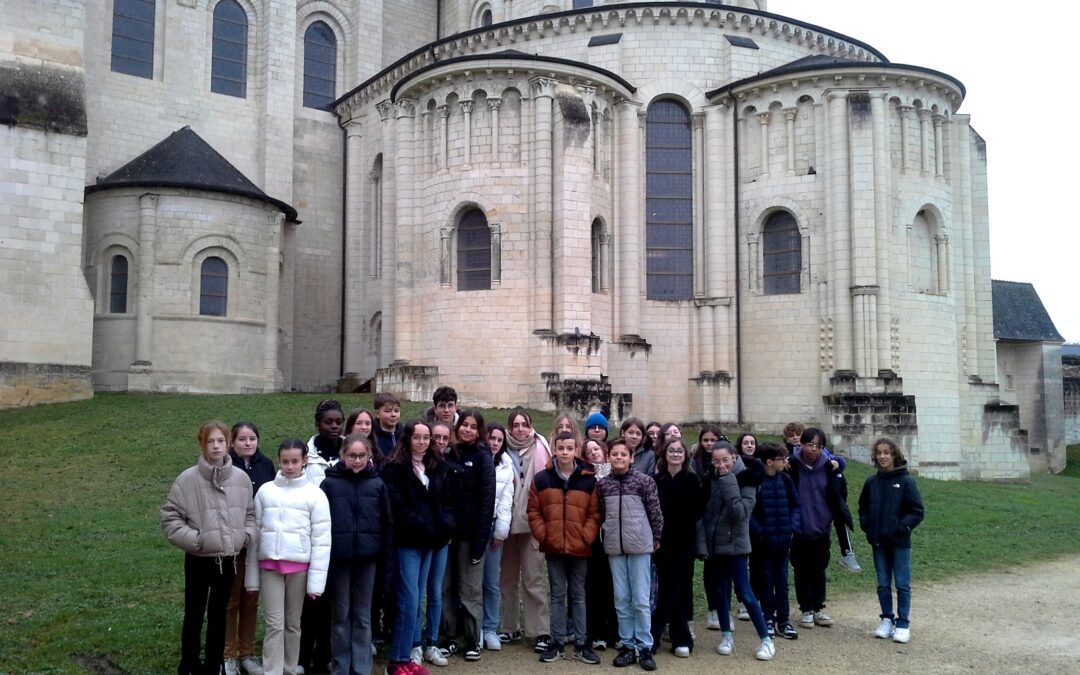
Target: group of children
<point>427,536</point>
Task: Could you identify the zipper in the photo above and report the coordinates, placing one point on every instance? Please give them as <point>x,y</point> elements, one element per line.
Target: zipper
<point>621,547</point>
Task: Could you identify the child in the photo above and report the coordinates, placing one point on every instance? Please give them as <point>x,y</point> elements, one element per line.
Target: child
<point>242,612</point>
<point>677,488</point>
<point>728,500</point>
<point>208,514</point>
<point>564,422</point>
<point>601,625</point>
<point>632,432</point>
<point>291,552</point>
<point>596,427</point>
<point>890,507</point>
<point>441,434</point>
<point>387,430</point>
<point>504,506</point>
<point>360,535</point>
<point>702,466</point>
<point>652,436</point>
<point>564,516</point>
<point>632,527</point>
<point>595,453</point>
<point>421,503</point>
<point>747,445</point>
<point>776,516</point>
<point>359,422</point>
<point>701,461</point>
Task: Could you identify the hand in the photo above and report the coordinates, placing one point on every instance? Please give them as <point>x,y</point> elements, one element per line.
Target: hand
<point>496,544</point>
<point>656,546</point>
<point>835,464</point>
<point>313,596</point>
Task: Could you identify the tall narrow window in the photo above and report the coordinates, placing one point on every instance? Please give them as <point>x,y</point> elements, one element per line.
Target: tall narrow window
<point>474,252</point>
<point>485,18</point>
<point>320,66</point>
<point>597,256</point>
<point>669,202</point>
<point>228,68</point>
<point>118,285</point>
<point>133,37</point>
<point>781,254</point>
<point>213,287</point>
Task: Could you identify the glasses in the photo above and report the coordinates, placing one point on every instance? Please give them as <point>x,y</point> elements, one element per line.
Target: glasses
<point>676,451</point>
<point>446,406</point>
<point>355,458</point>
<point>812,445</point>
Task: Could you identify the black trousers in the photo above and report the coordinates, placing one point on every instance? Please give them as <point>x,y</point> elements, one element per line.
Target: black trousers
<point>675,574</point>
<point>315,634</point>
<point>207,585</point>
<point>810,559</point>
<point>600,620</point>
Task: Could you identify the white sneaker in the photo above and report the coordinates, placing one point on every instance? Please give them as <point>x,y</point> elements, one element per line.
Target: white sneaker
<point>807,620</point>
<point>230,667</point>
<point>682,652</point>
<point>251,665</point>
<point>690,626</point>
<point>901,635</point>
<point>417,655</point>
<point>726,646</point>
<point>491,642</point>
<point>822,619</point>
<point>885,630</point>
<point>713,622</point>
<point>433,656</point>
<point>850,563</point>
<point>766,651</point>
<point>741,614</point>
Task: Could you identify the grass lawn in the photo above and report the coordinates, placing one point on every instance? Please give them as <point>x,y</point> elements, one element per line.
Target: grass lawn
<point>86,574</point>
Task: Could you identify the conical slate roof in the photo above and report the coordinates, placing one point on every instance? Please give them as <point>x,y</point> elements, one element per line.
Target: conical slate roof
<point>185,160</point>
<point>1019,313</point>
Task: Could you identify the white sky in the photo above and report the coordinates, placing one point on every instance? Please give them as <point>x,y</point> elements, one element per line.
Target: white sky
<point>1015,61</point>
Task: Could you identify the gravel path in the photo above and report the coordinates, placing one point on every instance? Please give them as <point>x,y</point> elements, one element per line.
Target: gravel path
<point>1022,621</point>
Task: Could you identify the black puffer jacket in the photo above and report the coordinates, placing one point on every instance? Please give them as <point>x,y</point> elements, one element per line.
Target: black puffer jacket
<point>473,479</point>
<point>360,520</point>
<point>423,517</point>
<point>260,469</point>
<point>890,507</point>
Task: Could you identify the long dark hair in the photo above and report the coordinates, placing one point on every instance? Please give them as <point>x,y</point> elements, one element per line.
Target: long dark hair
<point>481,428</point>
<point>403,450</point>
<point>661,455</point>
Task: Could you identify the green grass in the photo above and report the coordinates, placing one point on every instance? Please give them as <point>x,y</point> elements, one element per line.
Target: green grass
<point>85,570</point>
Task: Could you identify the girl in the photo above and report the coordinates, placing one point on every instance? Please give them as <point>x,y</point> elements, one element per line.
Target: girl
<point>360,536</point>
<point>667,432</point>
<point>702,466</point>
<point>601,625</point>
<point>747,445</point>
<point>728,500</point>
<point>291,553</point>
<point>633,432</point>
<point>595,453</point>
<point>440,437</point>
<point>890,507</point>
<point>523,564</point>
<point>631,530</point>
<point>208,514</point>
<point>564,422</point>
<point>242,612</point>
<point>652,436</point>
<point>421,502</point>
<point>701,462</point>
<point>473,473</point>
<point>677,488</point>
<point>504,506</point>
<point>359,422</point>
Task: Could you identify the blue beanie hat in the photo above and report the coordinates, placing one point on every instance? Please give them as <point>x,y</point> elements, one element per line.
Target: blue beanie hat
<point>596,419</point>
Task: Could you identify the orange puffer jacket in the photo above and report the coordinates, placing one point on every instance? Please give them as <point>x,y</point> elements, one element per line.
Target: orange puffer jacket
<point>564,516</point>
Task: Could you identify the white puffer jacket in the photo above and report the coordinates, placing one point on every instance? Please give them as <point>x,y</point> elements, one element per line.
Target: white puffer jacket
<point>316,466</point>
<point>504,496</point>
<point>292,519</point>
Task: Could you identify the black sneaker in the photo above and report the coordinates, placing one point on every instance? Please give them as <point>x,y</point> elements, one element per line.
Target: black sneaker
<point>787,631</point>
<point>448,648</point>
<point>553,652</point>
<point>542,643</point>
<point>472,653</point>
<point>770,626</point>
<point>626,657</point>
<point>645,658</point>
<point>507,638</point>
<point>585,655</point>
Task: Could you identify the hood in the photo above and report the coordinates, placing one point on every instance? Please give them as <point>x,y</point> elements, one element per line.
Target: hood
<point>281,481</point>
<point>820,464</point>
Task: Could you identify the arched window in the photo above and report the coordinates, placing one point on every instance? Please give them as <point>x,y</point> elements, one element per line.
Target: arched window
<point>228,68</point>
<point>781,254</point>
<point>213,287</point>
<point>473,252</point>
<point>669,202</point>
<point>320,66</point>
<point>118,285</point>
<point>133,37</point>
<point>485,18</point>
<point>921,255</point>
<point>596,236</point>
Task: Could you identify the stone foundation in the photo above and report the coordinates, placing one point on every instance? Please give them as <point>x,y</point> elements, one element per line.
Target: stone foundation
<point>23,384</point>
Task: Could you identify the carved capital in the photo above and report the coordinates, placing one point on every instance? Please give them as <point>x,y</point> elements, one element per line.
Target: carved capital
<point>924,114</point>
<point>494,103</point>
<point>698,119</point>
<point>642,116</point>
<point>374,176</point>
<point>496,228</point>
<point>904,110</point>
<point>605,239</point>
<point>543,86</point>
<point>384,107</point>
<point>443,110</point>
<point>405,107</point>
<point>790,114</point>
<point>466,107</point>
<point>585,89</point>
<point>764,118</point>
<point>938,118</point>
<point>941,238</point>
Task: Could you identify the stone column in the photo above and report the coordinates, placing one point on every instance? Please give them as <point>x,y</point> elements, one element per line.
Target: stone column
<point>698,130</point>
<point>882,173</point>
<point>425,151</point>
<point>905,151</point>
<point>789,119</point>
<point>355,242</point>
<point>838,215</point>
<point>605,260</point>
<point>444,140</point>
<point>444,257</point>
<point>942,243</point>
<point>496,148</point>
<point>924,149</point>
<point>466,111</point>
<point>764,118</point>
<point>376,210</point>
<point>144,317</point>
<point>628,180</point>
<point>271,373</point>
<point>405,329</point>
<point>718,231</point>
<point>496,254</point>
<point>543,94</point>
<point>753,261</point>
<point>939,147</point>
<point>388,240</point>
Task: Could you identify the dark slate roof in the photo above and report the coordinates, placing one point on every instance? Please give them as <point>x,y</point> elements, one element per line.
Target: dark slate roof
<point>185,160</point>
<point>1019,314</point>
<point>1070,350</point>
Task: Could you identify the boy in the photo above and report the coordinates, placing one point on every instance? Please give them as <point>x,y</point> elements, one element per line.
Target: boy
<point>776,516</point>
<point>596,427</point>
<point>564,516</point>
<point>444,407</point>
<point>387,429</point>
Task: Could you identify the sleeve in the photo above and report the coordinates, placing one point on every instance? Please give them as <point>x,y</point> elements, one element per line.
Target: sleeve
<point>251,571</point>
<point>728,486</point>
<point>864,506</point>
<point>175,523</point>
<point>795,508</point>
<point>839,460</point>
<point>592,518</point>
<point>320,543</point>
<point>652,508</point>
<point>386,520</point>
<point>911,508</point>
<point>504,509</point>
<point>536,515</point>
<point>703,502</point>
<point>487,506</point>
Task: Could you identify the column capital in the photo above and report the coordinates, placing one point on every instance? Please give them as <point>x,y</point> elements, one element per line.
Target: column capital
<point>384,107</point>
<point>924,114</point>
<point>764,118</point>
<point>641,117</point>
<point>585,89</point>
<point>443,110</point>
<point>837,94</point>
<point>496,228</point>
<point>466,107</point>
<point>543,86</point>
<point>698,119</point>
<point>494,102</point>
<point>405,107</point>
<point>942,238</point>
<point>148,201</point>
<point>904,109</point>
<point>790,114</point>
<point>938,118</point>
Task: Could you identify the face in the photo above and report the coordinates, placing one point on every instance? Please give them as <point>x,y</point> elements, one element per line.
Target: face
<point>812,451</point>
<point>245,443</point>
<point>565,451</point>
<point>774,466</point>
<point>388,416</point>
<point>793,439</point>
<point>653,432</point>
<point>722,461</point>
<point>421,440</point>
<point>564,424</point>
<point>468,431</point>
<point>596,432</point>
<point>362,424</point>
<point>330,424</point>
<point>749,446</point>
<point>496,440</point>
<point>440,437</point>
<point>676,455</point>
<point>520,429</point>
<point>883,455</point>
<point>216,446</point>
<point>445,410</point>
<point>633,436</point>
<point>594,453</point>
<point>619,458</point>
<point>672,432</point>
<point>292,462</point>
<point>708,439</point>
<point>356,457</point>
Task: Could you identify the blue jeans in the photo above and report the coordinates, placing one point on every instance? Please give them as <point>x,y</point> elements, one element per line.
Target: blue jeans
<point>631,575</point>
<point>492,592</point>
<point>771,583</point>
<point>418,570</point>
<point>734,569</point>
<point>892,563</point>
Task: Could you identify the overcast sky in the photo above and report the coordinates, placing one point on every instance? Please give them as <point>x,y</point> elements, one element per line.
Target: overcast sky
<point>1014,61</point>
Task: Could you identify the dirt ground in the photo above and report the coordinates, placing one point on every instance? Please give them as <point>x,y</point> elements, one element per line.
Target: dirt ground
<point>1025,620</point>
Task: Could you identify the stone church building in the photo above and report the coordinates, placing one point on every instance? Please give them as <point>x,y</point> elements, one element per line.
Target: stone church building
<point>680,210</point>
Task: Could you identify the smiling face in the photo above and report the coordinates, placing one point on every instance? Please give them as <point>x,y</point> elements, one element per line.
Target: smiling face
<point>884,457</point>
<point>356,457</point>
<point>723,461</point>
<point>362,425</point>
<point>633,437</point>
<point>676,456</point>
<point>420,440</point>
<point>520,428</point>
<point>246,442</point>
<point>388,416</point>
<point>496,440</point>
<point>440,436</point>
<point>748,446</point>
<point>216,447</point>
<point>565,450</point>
<point>594,454</point>
<point>563,424</point>
<point>620,457</point>
<point>469,430</point>
<point>445,411</point>
<point>292,462</point>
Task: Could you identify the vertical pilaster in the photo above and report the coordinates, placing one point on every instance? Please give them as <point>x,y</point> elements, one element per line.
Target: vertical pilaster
<point>763,119</point>
<point>628,177</point>
<point>718,229</point>
<point>963,215</point>
<point>924,149</point>
<point>494,103</point>
<point>144,318</point>
<point>789,121</point>
<point>271,372</point>
<point>543,93</point>
<point>444,113</point>
<point>388,184</point>
<point>838,202</point>
<point>882,173</point>
<point>356,184</point>
<point>905,151</point>
<point>698,126</point>
<point>939,147</point>
<point>466,111</point>
<point>404,178</point>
